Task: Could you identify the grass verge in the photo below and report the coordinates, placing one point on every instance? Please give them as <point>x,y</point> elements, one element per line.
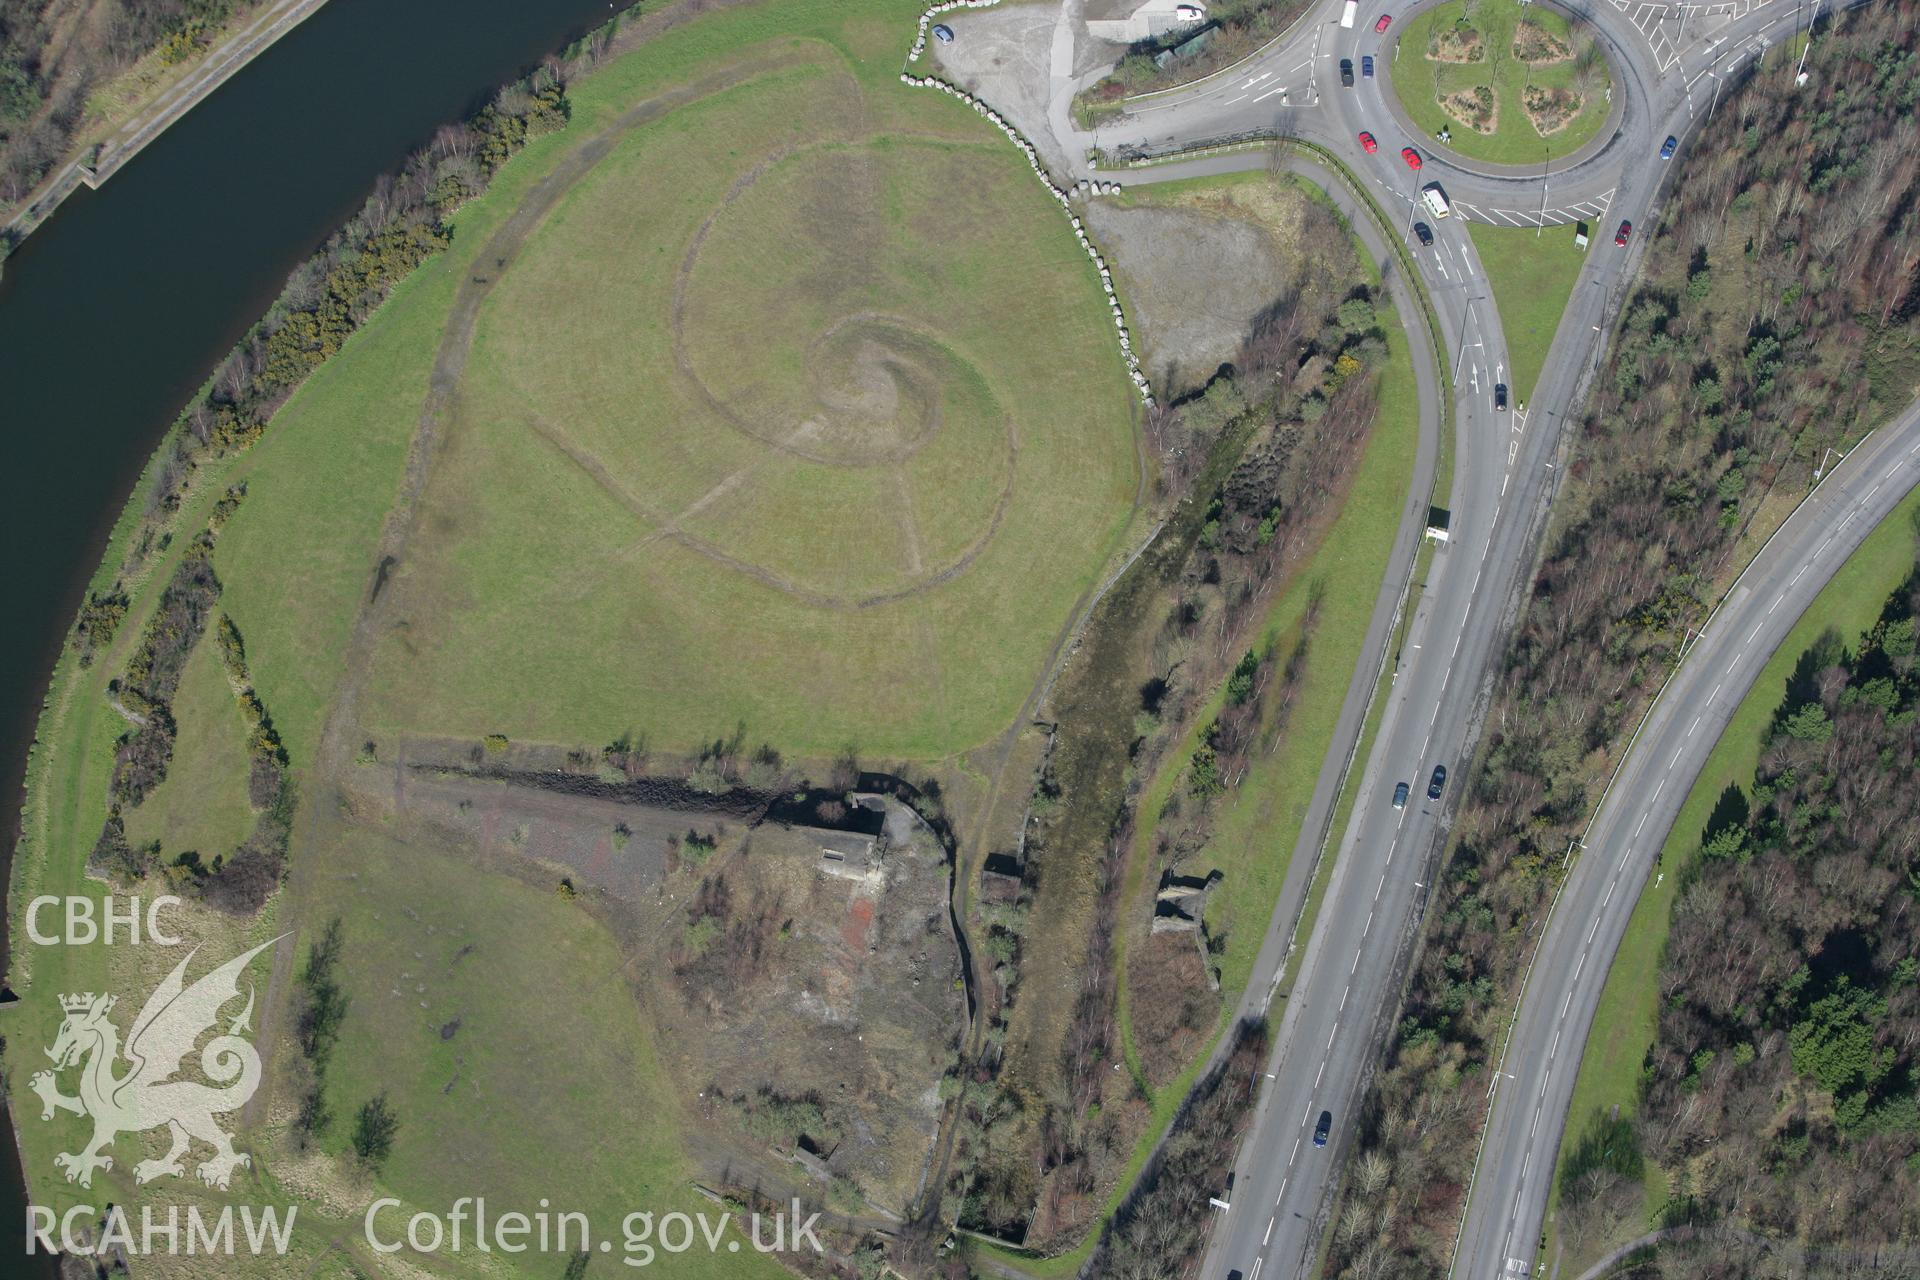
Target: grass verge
<point>1271,801</point>
<point>1628,1014</point>
<point>1532,275</point>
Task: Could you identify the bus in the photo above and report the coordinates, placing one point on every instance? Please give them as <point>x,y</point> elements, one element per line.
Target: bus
<point>1348,14</point>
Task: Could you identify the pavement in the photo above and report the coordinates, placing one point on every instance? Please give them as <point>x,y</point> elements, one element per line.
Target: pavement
<point>249,38</point>
<point>1671,64</point>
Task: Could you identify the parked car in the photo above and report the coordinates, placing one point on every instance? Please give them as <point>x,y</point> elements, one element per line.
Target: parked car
<point>1367,144</point>
<point>1411,156</point>
<point>1346,73</point>
<point>1400,790</point>
<point>1668,147</point>
<point>943,33</point>
<point>1437,783</point>
<point>1366,66</point>
<point>1620,236</point>
<point>1381,25</point>
<point>1423,231</point>
<point>1321,1130</point>
<point>1499,396</point>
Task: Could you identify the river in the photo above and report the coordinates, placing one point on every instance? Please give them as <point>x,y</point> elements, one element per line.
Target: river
<point>115,310</point>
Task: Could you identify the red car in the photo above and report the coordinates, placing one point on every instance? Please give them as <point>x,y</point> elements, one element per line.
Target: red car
<point>1620,236</point>
<point>1381,25</point>
<point>1411,156</point>
<point>1367,144</point>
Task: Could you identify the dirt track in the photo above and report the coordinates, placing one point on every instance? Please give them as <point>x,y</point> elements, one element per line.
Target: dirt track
<point>320,812</point>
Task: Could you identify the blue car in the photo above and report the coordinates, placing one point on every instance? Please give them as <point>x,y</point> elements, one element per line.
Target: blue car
<point>1366,66</point>
<point>1668,147</point>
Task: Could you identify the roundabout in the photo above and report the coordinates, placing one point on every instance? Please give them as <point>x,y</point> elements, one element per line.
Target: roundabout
<point>1498,82</point>
<point>1543,162</point>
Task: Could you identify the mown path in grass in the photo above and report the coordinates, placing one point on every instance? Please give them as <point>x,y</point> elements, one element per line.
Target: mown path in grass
<point>1627,1016</point>
<point>336,483</point>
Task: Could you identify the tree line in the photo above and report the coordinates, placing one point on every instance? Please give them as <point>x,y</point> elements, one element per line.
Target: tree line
<point>1781,1090</point>
<point>52,60</point>
<point>238,880</point>
<point>1775,319</point>
<point>1251,469</point>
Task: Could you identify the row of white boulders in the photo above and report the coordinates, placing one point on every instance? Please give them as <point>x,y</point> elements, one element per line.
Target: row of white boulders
<point>1061,195</point>
<point>926,21</point>
<point>1087,188</point>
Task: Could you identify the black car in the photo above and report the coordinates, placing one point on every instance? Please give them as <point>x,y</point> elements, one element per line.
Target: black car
<point>1346,73</point>
<point>1499,395</point>
<point>1400,790</point>
<point>1437,783</point>
<point>1321,1130</point>
<point>1423,231</point>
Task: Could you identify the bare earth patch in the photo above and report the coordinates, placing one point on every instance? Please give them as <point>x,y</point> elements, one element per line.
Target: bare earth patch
<point>1550,110</point>
<point>1172,1006</point>
<point>1455,44</point>
<point>1194,282</point>
<point>1536,45</point>
<point>780,966</point>
<point>1474,108</point>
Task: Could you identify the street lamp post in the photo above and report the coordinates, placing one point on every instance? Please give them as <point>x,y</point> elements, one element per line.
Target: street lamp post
<point>1545,166</point>
<point>1800,75</point>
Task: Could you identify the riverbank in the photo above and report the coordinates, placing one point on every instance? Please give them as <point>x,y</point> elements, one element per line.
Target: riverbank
<point>94,159</point>
<point>133,292</point>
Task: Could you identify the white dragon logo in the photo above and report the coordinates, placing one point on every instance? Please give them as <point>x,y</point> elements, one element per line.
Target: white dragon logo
<point>145,1097</point>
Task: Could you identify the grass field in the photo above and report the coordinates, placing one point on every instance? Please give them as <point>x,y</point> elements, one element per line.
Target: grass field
<point>870,531</point>
<point>1422,80</point>
<point>498,1020</point>
<point>202,806</point>
<point>937,383</point>
<point>1627,1017</point>
<point>1532,275</point>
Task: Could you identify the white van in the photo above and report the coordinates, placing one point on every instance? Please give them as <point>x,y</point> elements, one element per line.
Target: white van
<point>1348,14</point>
<point>1436,200</point>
